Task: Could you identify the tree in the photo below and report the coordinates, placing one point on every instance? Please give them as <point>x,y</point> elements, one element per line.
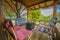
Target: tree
<point>35,15</point>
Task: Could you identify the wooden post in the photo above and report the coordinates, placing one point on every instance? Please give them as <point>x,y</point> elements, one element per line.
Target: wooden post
<point>1,12</point>
<point>27,14</point>
<point>55,9</point>
<point>1,19</point>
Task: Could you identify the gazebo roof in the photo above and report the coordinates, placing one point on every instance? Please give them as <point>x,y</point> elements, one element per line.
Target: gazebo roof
<point>33,4</point>
<point>29,3</point>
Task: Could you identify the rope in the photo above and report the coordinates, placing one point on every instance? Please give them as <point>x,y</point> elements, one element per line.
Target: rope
<point>30,36</point>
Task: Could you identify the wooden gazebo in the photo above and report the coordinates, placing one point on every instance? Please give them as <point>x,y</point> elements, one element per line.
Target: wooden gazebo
<point>32,4</point>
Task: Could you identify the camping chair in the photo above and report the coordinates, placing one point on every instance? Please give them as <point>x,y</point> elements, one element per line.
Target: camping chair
<point>10,28</point>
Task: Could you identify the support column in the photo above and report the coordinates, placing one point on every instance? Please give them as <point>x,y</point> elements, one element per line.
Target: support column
<point>1,12</point>
<point>1,19</point>
<point>55,9</point>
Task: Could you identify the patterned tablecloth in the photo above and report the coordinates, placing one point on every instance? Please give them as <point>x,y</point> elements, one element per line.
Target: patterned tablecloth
<point>21,33</point>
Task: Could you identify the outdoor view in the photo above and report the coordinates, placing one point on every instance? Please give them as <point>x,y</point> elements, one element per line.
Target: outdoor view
<point>43,14</point>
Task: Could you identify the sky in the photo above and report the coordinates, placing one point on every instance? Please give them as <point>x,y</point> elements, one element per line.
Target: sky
<point>58,8</point>
<point>48,11</point>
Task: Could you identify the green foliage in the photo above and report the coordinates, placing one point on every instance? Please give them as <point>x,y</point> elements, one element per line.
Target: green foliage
<point>36,15</point>
<point>58,16</point>
<point>58,20</point>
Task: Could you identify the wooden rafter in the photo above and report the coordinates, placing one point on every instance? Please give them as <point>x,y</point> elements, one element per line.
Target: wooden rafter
<point>42,5</point>
<point>38,3</point>
<point>13,2</point>
<point>31,3</point>
<point>11,5</point>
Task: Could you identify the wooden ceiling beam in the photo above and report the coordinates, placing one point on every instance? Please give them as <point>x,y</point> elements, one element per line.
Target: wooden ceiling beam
<point>14,9</point>
<point>39,3</point>
<point>12,2</point>
<point>42,5</point>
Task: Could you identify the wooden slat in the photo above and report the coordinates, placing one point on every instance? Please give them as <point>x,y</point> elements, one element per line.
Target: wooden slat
<point>31,2</point>
<point>49,3</point>
<point>33,7</point>
<point>11,5</point>
<point>42,5</point>
<point>36,6</point>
